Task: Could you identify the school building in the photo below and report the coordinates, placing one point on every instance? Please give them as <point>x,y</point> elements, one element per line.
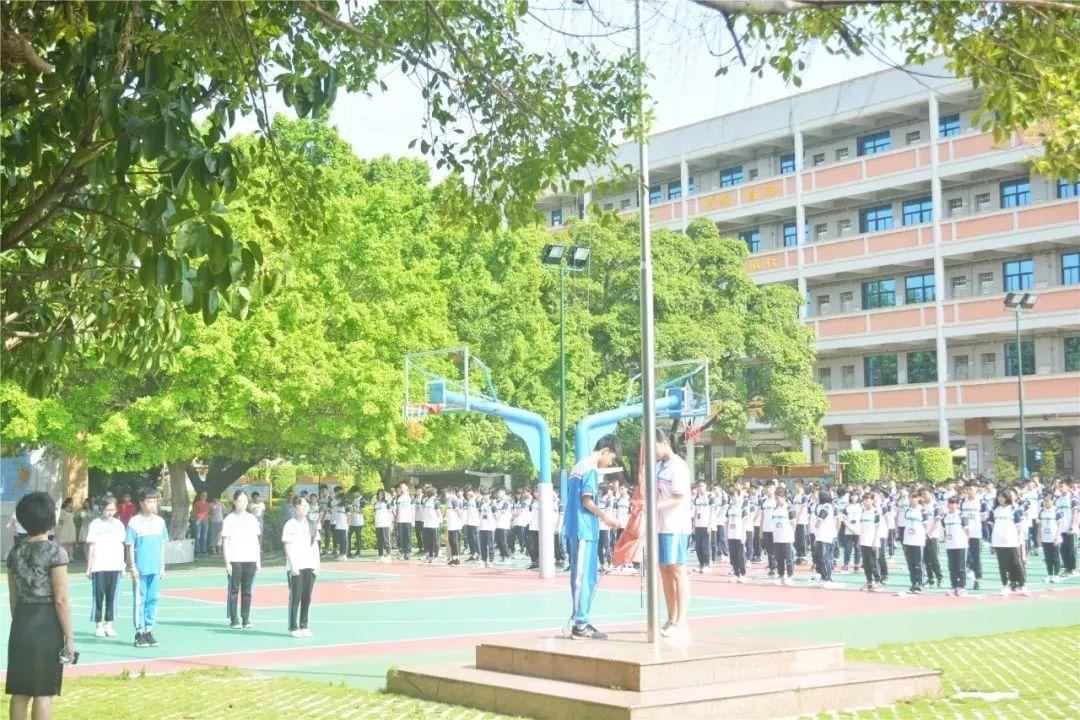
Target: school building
<point>904,225</point>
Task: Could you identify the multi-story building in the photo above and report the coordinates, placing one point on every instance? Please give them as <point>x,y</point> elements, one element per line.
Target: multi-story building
<point>904,225</point>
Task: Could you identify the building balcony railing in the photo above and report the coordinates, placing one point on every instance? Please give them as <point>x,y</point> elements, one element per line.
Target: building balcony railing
<point>1062,301</point>
<point>1063,388</point>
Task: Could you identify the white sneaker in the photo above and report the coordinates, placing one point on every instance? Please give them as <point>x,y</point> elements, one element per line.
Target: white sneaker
<point>298,634</point>
<point>733,579</point>
<point>306,632</point>
<point>99,631</point>
<point>343,556</point>
<point>1005,592</point>
<point>707,570</point>
<point>785,581</point>
<point>109,631</point>
<point>1024,591</point>
<point>742,579</point>
<point>665,629</point>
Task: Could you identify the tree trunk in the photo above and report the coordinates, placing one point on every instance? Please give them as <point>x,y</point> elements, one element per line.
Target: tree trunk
<point>221,473</point>
<point>181,503</point>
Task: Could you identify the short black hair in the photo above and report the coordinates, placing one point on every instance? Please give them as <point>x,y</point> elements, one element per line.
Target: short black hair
<point>609,442</point>
<point>36,512</point>
<point>238,493</point>
<point>662,436</point>
<point>147,493</point>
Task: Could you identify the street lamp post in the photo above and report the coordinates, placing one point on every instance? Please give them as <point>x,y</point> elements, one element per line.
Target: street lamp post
<point>1018,302</point>
<point>576,260</point>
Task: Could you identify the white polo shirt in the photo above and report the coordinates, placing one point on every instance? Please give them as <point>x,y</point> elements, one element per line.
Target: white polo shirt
<point>107,537</point>
<point>673,478</point>
<point>240,533</point>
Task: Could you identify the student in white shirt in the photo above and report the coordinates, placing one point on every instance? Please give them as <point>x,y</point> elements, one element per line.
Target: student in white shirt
<point>471,528</point>
<point>763,520</point>
<point>404,516</point>
<point>357,503</point>
<point>782,526</point>
<point>869,535</point>
<point>503,512</point>
<point>702,507</point>
<point>105,564</point>
<point>384,518</point>
<point>487,528</point>
<point>931,561</point>
<point>1005,539</point>
<point>240,544</point>
<point>735,526</point>
<point>534,529</point>
<point>915,521</point>
<point>339,520</point>
<point>1050,528</point>
<point>673,514</point>
<point>455,520</point>
<point>958,533</point>
<point>301,541</point>
<point>825,530</point>
<point>431,516</point>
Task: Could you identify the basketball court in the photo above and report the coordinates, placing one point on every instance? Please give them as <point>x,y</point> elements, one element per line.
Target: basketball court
<point>367,617</point>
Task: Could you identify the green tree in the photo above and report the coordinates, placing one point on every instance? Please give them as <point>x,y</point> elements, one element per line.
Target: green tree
<point>861,465</point>
<point>119,180</point>
<point>934,464</point>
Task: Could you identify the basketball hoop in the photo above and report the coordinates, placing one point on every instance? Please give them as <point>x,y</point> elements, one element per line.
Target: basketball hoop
<point>415,414</point>
<point>691,430</point>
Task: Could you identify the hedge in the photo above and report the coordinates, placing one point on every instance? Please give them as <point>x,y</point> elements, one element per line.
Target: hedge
<point>729,468</point>
<point>790,457</point>
<point>934,464</point>
<point>282,478</point>
<point>861,465</point>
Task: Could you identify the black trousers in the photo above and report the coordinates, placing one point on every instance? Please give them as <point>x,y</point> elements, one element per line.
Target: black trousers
<point>487,545</point>
<point>757,543</point>
<point>534,546</point>
<point>501,539</point>
<point>1052,556</point>
<point>104,583</point>
<point>849,540</point>
<point>521,535</point>
<point>431,541</point>
<point>869,564</point>
<point>957,569</point>
<point>355,531</point>
<point>300,588</point>
<point>1068,551</point>
<point>404,538</point>
<point>781,554</point>
<point>382,541</point>
<point>240,581</point>
<point>914,556</point>
<point>418,528</point>
<point>800,542</point>
<point>702,546</point>
<point>883,559</point>
<point>738,558</point>
<point>340,541</point>
<point>603,548</point>
<point>974,557</point>
<point>825,552</point>
<point>560,549</point>
<point>1010,567</point>
<point>454,538</point>
<point>932,561</point>
<point>720,546</point>
<point>472,539</point>
<point>767,545</point>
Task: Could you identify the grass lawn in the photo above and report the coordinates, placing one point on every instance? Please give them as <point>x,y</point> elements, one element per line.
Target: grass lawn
<point>1039,665</point>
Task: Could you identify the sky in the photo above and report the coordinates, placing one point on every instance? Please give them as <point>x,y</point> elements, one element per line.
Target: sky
<point>678,51</point>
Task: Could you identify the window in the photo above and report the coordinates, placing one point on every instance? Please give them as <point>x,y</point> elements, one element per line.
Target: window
<point>959,286</point>
<point>847,377</point>
<point>787,163</point>
<point>823,305</point>
<point>982,202</point>
<point>960,367</point>
<point>1018,274</point>
<point>624,203</point>
<point>843,227</point>
<point>654,195</point>
<point>825,378</point>
<point>1070,268</point>
<point>609,206</point>
<point>919,288</point>
<point>821,231</point>
<point>556,217</point>
<point>753,174</point>
<point>912,137</point>
<point>922,366</point>
<point>1066,189</point>
<point>841,154</point>
<point>847,301</point>
<point>1072,354</point>
<point>752,238</point>
<point>988,361</point>
<point>878,294</point>
<point>948,125</point>
<point>791,235</point>
<point>691,185</point>
<point>731,176</point>
<point>875,219</point>
<point>874,143</point>
<point>986,282</point>
<point>1015,193</point>
<point>918,211</point>
<point>674,190</point>
<point>879,370</point>
<point>1027,351</point>
<point>819,159</point>
<point>955,204</point>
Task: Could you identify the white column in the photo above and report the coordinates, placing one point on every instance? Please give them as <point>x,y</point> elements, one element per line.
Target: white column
<point>800,220</point>
<point>586,200</point>
<point>684,179</point>
<point>808,449</point>
<point>939,277</point>
<point>856,443</point>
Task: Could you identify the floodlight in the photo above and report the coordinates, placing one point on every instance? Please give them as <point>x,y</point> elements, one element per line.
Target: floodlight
<point>1028,301</point>
<point>1010,300</point>
<point>552,254</point>
<point>579,257</point>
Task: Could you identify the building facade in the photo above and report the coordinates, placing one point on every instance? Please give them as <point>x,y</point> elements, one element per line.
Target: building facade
<point>904,225</point>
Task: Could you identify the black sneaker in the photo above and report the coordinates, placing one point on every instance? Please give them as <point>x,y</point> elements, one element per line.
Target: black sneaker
<point>587,632</point>
<point>248,625</point>
<point>141,641</point>
<point>151,641</point>
<point>975,586</point>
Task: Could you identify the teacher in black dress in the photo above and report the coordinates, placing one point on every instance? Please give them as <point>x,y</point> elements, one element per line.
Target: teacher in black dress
<point>40,633</point>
